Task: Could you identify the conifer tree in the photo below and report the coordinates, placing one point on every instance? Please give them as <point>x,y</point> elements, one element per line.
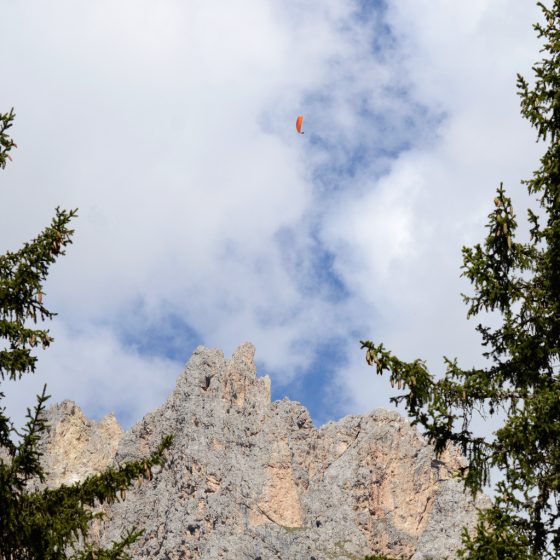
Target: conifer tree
<point>50,524</point>
<point>520,283</point>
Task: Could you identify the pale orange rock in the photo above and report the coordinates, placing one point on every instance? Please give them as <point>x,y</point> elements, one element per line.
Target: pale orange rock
<point>280,502</point>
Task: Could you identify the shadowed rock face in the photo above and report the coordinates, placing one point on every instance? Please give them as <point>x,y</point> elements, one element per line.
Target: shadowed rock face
<point>250,479</point>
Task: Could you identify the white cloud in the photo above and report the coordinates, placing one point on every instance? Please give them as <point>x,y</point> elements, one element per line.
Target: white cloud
<point>92,368</point>
<point>171,127</point>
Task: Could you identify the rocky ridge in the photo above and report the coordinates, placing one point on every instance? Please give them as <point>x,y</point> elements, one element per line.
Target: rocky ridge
<point>252,479</point>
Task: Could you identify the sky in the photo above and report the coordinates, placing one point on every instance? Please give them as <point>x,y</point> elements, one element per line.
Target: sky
<point>205,219</point>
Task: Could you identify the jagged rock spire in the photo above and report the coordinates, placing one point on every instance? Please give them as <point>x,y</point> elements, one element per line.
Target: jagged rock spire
<point>249,478</point>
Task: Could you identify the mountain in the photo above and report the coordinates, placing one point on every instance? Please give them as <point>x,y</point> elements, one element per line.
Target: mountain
<point>251,479</point>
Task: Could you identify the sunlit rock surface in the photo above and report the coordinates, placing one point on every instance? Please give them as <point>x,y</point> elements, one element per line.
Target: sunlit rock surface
<point>250,479</point>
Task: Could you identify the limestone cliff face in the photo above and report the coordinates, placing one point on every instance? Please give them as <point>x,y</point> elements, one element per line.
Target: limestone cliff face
<point>75,447</point>
<point>248,479</point>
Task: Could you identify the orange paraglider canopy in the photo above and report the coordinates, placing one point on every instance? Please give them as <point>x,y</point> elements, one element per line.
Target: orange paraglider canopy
<point>299,123</point>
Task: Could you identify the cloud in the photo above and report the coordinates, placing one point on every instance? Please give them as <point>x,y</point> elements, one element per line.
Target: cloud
<point>398,244</point>
<point>93,368</point>
<point>204,218</point>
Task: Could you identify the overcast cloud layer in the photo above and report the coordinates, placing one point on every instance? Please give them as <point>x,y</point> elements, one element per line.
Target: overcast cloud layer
<point>205,219</point>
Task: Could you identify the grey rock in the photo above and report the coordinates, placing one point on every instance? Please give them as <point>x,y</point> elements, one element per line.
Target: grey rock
<point>250,479</point>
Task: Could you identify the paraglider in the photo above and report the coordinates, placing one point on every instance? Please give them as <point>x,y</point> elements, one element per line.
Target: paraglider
<point>299,122</point>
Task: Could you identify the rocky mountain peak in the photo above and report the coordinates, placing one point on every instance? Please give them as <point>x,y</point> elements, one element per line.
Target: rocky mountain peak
<point>233,381</point>
<point>252,479</point>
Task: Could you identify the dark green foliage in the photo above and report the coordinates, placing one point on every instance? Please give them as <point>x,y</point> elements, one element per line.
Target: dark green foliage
<point>22,275</point>
<point>48,524</point>
<point>6,143</point>
<point>520,282</point>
